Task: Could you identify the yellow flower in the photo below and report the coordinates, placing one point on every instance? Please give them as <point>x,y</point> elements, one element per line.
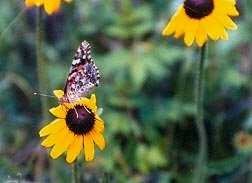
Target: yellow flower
<point>198,19</point>
<point>77,126</point>
<point>51,6</point>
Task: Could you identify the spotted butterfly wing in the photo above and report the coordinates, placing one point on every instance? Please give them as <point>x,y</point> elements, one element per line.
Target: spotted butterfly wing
<point>83,76</point>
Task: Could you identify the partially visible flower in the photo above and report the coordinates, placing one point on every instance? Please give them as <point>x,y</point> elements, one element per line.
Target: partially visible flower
<point>50,6</point>
<point>198,19</point>
<point>30,3</point>
<point>77,127</point>
<point>243,141</point>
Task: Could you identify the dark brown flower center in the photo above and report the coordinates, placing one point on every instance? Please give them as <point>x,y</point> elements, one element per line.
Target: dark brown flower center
<point>80,120</point>
<point>198,8</point>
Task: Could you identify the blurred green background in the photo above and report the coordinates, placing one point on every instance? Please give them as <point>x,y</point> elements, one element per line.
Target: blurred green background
<point>146,92</point>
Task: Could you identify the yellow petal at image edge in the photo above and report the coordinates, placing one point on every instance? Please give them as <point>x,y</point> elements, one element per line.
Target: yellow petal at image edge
<point>52,127</point>
<point>62,143</point>
<point>88,147</point>
<point>98,139</point>
<point>74,149</point>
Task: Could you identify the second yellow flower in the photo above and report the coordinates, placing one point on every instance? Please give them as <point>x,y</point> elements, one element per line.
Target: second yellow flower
<point>50,6</point>
<point>198,19</point>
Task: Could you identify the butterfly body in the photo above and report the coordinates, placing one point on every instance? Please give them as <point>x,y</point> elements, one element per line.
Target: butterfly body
<point>83,76</point>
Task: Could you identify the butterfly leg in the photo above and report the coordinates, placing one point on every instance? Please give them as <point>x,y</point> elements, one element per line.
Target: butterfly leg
<point>87,109</point>
<point>77,115</point>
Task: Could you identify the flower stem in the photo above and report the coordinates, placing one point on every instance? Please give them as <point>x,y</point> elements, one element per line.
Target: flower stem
<point>42,76</point>
<point>75,173</point>
<point>200,169</point>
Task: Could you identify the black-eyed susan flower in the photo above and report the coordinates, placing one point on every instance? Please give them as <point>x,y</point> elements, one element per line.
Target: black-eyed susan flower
<point>50,6</point>
<point>77,126</point>
<point>198,19</point>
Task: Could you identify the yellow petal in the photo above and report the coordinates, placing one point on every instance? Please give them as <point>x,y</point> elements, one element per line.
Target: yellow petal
<point>52,138</point>
<point>69,1</point>
<point>226,21</point>
<point>224,36</point>
<point>170,28</point>
<point>93,99</point>
<point>190,31</point>
<point>52,127</point>
<point>39,2</point>
<point>58,93</point>
<point>93,103</point>
<point>182,21</point>
<point>59,111</point>
<point>98,139</point>
<point>99,124</point>
<point>201,36</point>
<point>90,103</point>
<point>83,101</point>
<point>212,27</point>
<point>74,149</point>
<point>226,6</point>
<point>29,3</point>
<point>68,106</point>
<point>232,11</point>
<point>64,140</point>
<point>87,103</point>
<point>51,6</point>
<point>88,147</point>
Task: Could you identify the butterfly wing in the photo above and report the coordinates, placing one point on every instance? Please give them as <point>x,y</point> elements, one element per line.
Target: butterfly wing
<point>83,75</point>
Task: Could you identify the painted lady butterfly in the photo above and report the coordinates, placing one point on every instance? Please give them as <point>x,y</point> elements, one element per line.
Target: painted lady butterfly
<point>83,76</point>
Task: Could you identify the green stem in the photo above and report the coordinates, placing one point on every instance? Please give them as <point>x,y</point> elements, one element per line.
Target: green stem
<point>41,65</point>
<point>41,75</point>
<point>75,173</point>
<point>200,169</point>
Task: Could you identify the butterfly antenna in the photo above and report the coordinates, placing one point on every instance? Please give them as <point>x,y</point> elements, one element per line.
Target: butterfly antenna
<point>44,95</point>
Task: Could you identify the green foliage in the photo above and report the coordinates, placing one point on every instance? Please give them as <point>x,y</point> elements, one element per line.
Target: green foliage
<point>131,22</point>
<point>149,158</point>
